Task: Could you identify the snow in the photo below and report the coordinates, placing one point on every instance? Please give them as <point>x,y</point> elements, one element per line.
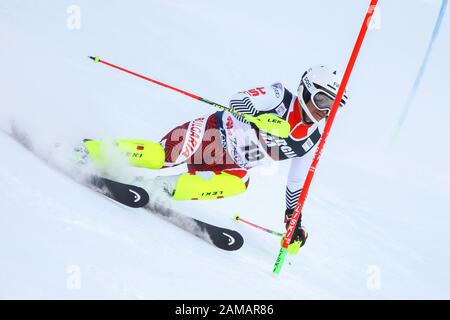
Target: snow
<point>377,216</point>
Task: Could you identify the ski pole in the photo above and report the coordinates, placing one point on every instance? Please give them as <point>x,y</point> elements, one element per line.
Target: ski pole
<point>238,218</point>
<point>267,122</point>
<point>301,201</point>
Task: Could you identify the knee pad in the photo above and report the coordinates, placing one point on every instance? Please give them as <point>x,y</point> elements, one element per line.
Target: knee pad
<point>196,187</point>
<point>140,153</point>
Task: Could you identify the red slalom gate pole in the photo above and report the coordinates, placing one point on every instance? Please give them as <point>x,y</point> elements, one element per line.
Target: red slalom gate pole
<point>301,201</point>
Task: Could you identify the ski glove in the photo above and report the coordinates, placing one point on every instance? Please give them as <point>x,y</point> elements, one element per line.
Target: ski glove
<point>300,234</point>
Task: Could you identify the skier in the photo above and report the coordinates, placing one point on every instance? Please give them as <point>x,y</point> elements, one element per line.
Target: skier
<point>220,149</point>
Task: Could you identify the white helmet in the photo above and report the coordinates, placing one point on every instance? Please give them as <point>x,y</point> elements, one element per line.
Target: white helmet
<point>319,84</point>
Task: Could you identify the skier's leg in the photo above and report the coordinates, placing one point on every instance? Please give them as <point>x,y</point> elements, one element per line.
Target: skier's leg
<point>208,185</point>
<point>174,148</point>
<point>140,153</point>
<point>212,173</point>
<point>201,185</point>
<point>183,141</point>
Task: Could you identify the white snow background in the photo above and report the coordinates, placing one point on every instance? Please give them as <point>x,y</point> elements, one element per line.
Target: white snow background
<point>378,218</point>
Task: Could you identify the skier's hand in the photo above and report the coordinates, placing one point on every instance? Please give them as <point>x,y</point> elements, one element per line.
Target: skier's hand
<point>270,123</point>
<point>300,234</point>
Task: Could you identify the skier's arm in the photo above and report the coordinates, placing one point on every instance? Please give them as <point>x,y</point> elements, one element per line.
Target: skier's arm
<point>263,108</point>
<point>257,101</point>
<point>242,103</point>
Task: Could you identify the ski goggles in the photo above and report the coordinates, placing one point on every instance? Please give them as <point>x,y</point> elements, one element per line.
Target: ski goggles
<point>321,97</point>
<point>322,101</point>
